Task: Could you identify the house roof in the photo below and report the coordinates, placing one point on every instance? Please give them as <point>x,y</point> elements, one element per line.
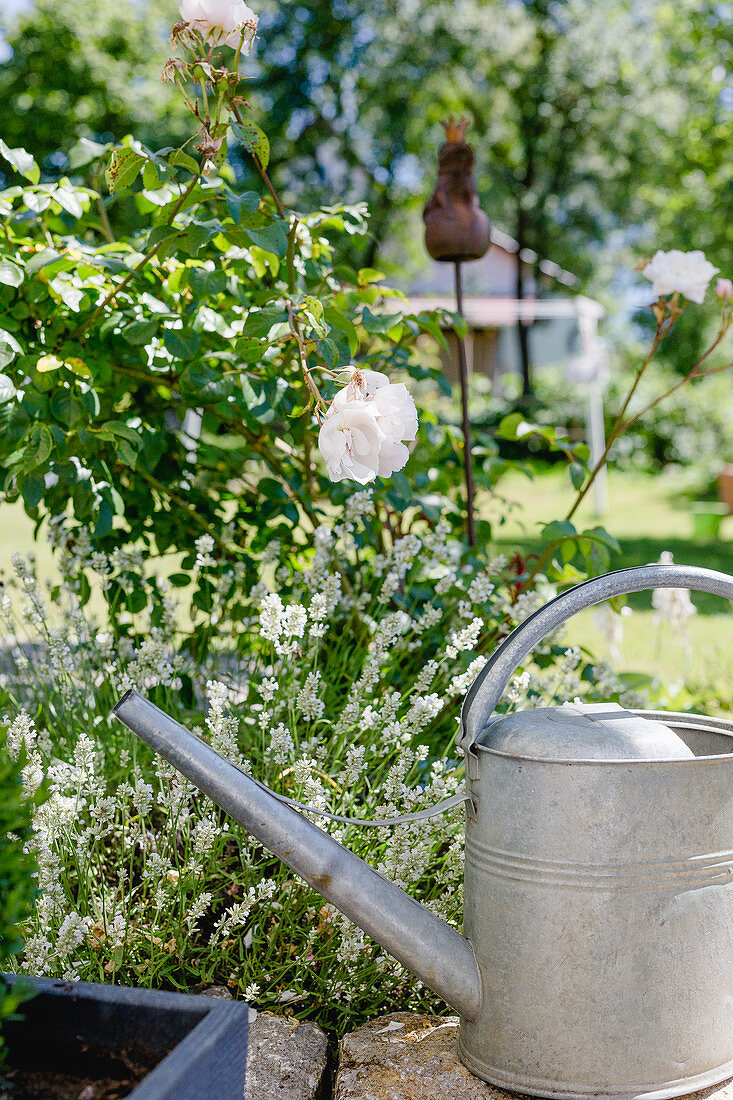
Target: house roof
<point>499,312</point>
<point>528,256</point>
<point>494,274</point>
<point>489,285</point>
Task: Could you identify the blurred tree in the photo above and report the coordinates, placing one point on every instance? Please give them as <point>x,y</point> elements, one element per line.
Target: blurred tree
<point>88,69</point>
<point>592,122</point>
<point>553,96</point>
<point>688,184</point>
<point>691,189</point>
<point>351,92</point>
<point>584,115</point>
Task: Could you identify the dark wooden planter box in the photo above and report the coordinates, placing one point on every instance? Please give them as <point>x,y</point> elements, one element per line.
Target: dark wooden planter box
<point>193,1047</point>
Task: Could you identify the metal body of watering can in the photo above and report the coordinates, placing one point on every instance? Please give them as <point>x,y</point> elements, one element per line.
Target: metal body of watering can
<point>597,956</point>
<point>599,902</point>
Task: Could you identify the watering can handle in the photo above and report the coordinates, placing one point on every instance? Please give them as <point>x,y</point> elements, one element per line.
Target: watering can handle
<point>489,685</point>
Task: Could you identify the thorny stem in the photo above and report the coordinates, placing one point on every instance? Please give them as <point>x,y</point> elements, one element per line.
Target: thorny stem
<point>320,366</point>
<point>313,388</point>
<point>664,325</point>
<point>104,219</point>
<point>692,374</point>
<point>268,184</point>
<point>290,255</point>
<point>219,105</point>
<point>184,93</point>
<point>259,165</point>
<point>295,326</point>
<point>235,66</point>
<point>290,263</point>
<point>202,85</point>
<point>713,370</point>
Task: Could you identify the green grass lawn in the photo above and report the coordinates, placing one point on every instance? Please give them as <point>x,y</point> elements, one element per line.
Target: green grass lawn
<point>16,536</point>
<point>647,514</point>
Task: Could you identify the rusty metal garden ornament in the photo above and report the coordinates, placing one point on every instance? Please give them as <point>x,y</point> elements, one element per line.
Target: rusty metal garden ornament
<point>457,229</point>
<point>597,955</point>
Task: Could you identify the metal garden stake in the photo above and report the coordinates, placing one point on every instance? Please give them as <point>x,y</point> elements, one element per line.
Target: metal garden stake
<point>457,229</point>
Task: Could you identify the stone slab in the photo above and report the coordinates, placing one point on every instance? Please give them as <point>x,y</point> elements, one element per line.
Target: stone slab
<point>286,1060</point>
<point>412,1057</point>
<point>219,992</point>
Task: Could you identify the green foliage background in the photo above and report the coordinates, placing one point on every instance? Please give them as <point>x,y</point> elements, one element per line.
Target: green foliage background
<point>88,69</point>
<point>586,118</point>
<point>18,887</point>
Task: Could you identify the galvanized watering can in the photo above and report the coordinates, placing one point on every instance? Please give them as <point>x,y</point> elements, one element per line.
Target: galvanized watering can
<point>597,955</point>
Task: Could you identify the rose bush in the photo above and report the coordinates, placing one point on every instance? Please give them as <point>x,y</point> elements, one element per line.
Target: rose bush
<point>170,385</point>
<point>163,387</point>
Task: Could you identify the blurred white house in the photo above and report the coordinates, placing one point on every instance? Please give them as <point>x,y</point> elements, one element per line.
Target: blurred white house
<point>562,327</point>
<point>562,324</point>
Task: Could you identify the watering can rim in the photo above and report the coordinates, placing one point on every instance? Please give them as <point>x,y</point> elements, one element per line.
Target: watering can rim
<point>721,726</point>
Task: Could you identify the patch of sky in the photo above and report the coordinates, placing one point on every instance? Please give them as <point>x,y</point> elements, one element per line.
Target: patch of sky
<point>8,10</point>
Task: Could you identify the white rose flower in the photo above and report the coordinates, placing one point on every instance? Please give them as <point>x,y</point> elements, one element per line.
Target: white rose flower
<point>393,410</point>
<point>397,417</point>
<point>222,22</point>
<point>686,273</point>
<point>362,387</point>
<point>350,441</point>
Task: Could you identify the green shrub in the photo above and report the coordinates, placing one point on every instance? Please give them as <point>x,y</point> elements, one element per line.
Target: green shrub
<point>692,428</point>
<point>18,873</point>
<point>161,388</point>
<point>168,385</point>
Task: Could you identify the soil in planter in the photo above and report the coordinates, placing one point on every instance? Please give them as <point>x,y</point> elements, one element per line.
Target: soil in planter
<point>85,1074</point>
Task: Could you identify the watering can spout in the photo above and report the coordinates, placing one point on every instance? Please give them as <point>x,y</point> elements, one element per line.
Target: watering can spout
<point>442,958</point>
